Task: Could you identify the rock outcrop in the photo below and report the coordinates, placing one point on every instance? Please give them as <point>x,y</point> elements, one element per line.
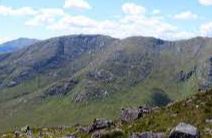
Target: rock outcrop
<point>147,135</point>
<point>184,76</point>
<point>205,75</point>
<point>61,88</point>
<point>131,114</point>
<point>115,133</point>
<point>183,130</point>
<point>25,129</point>
<point>101,75</point>
<point>90,92</point>
<point>100,124</point>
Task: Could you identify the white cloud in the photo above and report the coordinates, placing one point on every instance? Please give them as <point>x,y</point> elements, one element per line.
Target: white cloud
<point>70,22</point>
<point>45,16</point>
<point>205,2</point>
<point>133,9</point>
<point>206,29</point>
<point>79,4</point>
<point>128,25</point>
<point>134,21</point>
<point>39,16</point>
<point>186,15</point>
<point>8,11</point>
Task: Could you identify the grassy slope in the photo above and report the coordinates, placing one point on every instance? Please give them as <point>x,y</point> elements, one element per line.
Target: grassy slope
<point>194,110</point>
<point>61,111</point>
<point>21,105</point>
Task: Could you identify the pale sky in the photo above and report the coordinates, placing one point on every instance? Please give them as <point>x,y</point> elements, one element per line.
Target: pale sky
<point>166,19</point>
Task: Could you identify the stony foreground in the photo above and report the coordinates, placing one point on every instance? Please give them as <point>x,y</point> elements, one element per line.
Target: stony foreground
<point>191,118</point>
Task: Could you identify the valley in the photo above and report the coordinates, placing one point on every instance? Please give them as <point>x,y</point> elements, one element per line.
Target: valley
<point>73,79</point>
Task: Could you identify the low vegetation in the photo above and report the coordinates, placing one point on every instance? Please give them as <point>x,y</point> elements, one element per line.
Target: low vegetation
<point>195,110</point>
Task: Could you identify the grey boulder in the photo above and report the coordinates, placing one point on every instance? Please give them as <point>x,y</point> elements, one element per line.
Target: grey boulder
<point>183,130</point>
<point>131,114</point>
<point>100,124</point>
<point>147,135</point>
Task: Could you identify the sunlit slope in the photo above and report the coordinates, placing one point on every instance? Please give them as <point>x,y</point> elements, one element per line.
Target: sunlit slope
<point>74,79</point>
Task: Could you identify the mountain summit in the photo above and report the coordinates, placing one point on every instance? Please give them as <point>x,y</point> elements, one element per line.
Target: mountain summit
<point>80,77</point>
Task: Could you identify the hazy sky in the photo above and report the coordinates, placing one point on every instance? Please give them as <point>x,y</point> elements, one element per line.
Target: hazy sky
<point>167,19</point>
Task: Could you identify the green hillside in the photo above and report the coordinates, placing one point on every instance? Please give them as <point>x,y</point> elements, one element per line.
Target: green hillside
<point>73,79</point>
<point>195,110</point>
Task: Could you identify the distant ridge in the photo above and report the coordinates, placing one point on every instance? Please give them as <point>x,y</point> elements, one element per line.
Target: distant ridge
<point>15,45</point>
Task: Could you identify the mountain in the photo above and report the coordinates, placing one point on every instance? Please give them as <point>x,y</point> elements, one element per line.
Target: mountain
<point>15,45</point>
<point>193,113</point>
<point>73,79</point>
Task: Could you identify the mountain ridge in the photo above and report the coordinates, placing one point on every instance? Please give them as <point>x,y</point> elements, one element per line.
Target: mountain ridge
<point>17,44</point>
<point>98,75</point>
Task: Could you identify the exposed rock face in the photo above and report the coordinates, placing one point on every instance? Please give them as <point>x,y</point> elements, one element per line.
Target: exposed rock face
<point>25,129</point>
<point>147,135</point>
<point>101,75</point>
<point>12,83</point>
<point>116,133</point>
<point>183,130</point>
<point>61,88</point>
<point>209,78</point>
<point>205,75</point>
<point>84,129</point>
<point>53,53</point>
<point>90,92</point>
<point>133,63</point>
<point>100,124</point>
<point>184,76</point>
<point>136,67</point>
<point>131,114</point>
